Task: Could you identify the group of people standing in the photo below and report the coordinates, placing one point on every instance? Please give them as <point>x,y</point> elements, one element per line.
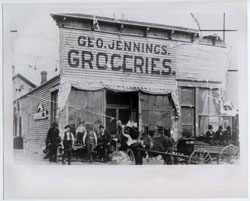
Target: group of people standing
<point>221,137</point>
<point>85,137</point>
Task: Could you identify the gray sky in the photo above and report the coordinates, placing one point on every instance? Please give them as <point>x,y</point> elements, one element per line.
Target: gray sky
<point>36,44</point>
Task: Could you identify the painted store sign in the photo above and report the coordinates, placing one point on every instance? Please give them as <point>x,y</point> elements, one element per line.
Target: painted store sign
<point>107,52</point>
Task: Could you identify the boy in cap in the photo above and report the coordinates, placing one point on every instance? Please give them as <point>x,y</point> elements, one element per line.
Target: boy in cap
<point>68,141</point>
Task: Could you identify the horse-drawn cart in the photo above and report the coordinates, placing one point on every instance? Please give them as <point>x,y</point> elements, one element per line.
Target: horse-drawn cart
<point>192,151</point>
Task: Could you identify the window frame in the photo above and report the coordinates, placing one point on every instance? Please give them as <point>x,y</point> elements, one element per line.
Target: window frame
<point>189,106</point>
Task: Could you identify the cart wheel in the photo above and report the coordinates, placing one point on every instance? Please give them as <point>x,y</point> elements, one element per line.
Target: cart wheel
<point>200,156</point>
<point>229,154</point>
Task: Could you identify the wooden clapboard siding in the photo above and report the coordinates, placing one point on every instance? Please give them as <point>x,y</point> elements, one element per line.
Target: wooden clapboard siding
<point>201,62</point>
<point>34,131</point>
<point>69,39</point>
<point>191,61</point>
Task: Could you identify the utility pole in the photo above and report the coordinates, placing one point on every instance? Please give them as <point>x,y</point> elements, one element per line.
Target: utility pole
<point>224,26</point>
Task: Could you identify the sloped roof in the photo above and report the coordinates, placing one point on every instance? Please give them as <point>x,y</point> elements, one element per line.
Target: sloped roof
<point>24,79</point>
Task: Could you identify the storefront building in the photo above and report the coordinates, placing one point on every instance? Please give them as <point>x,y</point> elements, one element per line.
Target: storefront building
<point>154,75</point>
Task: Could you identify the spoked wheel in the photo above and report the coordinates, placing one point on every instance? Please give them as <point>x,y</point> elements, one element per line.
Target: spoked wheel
<point>200,157</point>
<point>229,154</point>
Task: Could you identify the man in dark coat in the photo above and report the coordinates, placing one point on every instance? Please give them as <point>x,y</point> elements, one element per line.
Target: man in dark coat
<point>219,135</point>
<point>68,142</point>
<point>227,135</point>
<point>104,142</point>
<point>52,141</point>
<point>210,136</point>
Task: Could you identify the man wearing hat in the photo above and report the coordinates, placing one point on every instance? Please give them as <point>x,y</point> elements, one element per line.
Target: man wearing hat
<point>103,143</point>
<point>68,141</point>
<point>52,141</point>
<point>210,135</point>
<point>227,135</point>
<point>90,139</point>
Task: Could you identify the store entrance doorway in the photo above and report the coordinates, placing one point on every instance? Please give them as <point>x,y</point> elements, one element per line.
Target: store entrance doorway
<point>121,106</point>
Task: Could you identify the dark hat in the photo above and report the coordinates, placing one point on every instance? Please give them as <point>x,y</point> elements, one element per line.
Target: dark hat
<point>220,127</point>
<point>54,124</point>
<point>228,127</point>
<point>210,127</point>
<point>101,126</point>
<point>67,127</point>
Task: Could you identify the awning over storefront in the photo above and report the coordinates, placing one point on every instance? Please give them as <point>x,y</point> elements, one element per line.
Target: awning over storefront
<point>66,85</point>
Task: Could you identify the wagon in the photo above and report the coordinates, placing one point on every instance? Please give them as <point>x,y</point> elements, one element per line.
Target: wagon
<point>191,151</point>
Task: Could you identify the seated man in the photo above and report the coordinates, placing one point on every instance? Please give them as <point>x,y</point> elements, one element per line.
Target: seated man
<point>210,136</point>
<point>219,136</point>
<point>227,135</point>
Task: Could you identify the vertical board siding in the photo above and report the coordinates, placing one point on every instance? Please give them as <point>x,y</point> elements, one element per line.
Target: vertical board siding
<point>34,132</point>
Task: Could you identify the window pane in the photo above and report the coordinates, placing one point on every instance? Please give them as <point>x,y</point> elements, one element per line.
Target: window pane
<point>98,99</point>
<point>203,125</point>
<point>227,121</point>
<point>89,117</point>
<point>187,131</point>
<point>151,118</point>
<point>166,131</point>
<point>145,117</point>
<point>187,116</point>
<point>209,102</point>
<point>203,101</point>
<point>81,99</point>
<point>159,118</point>
<point>166,116</point>
<point>97,119</point>
<point>72,115</point>
<point>187,96</point>
<point>144,101</point>
<point>159,102</point>
<point>214,104</point>
<point>215,122</point>
<point>166,104</point>
<point>120,98</point>
<point>81,115</point>
<point>90,98</point>
<point>151,102</point>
